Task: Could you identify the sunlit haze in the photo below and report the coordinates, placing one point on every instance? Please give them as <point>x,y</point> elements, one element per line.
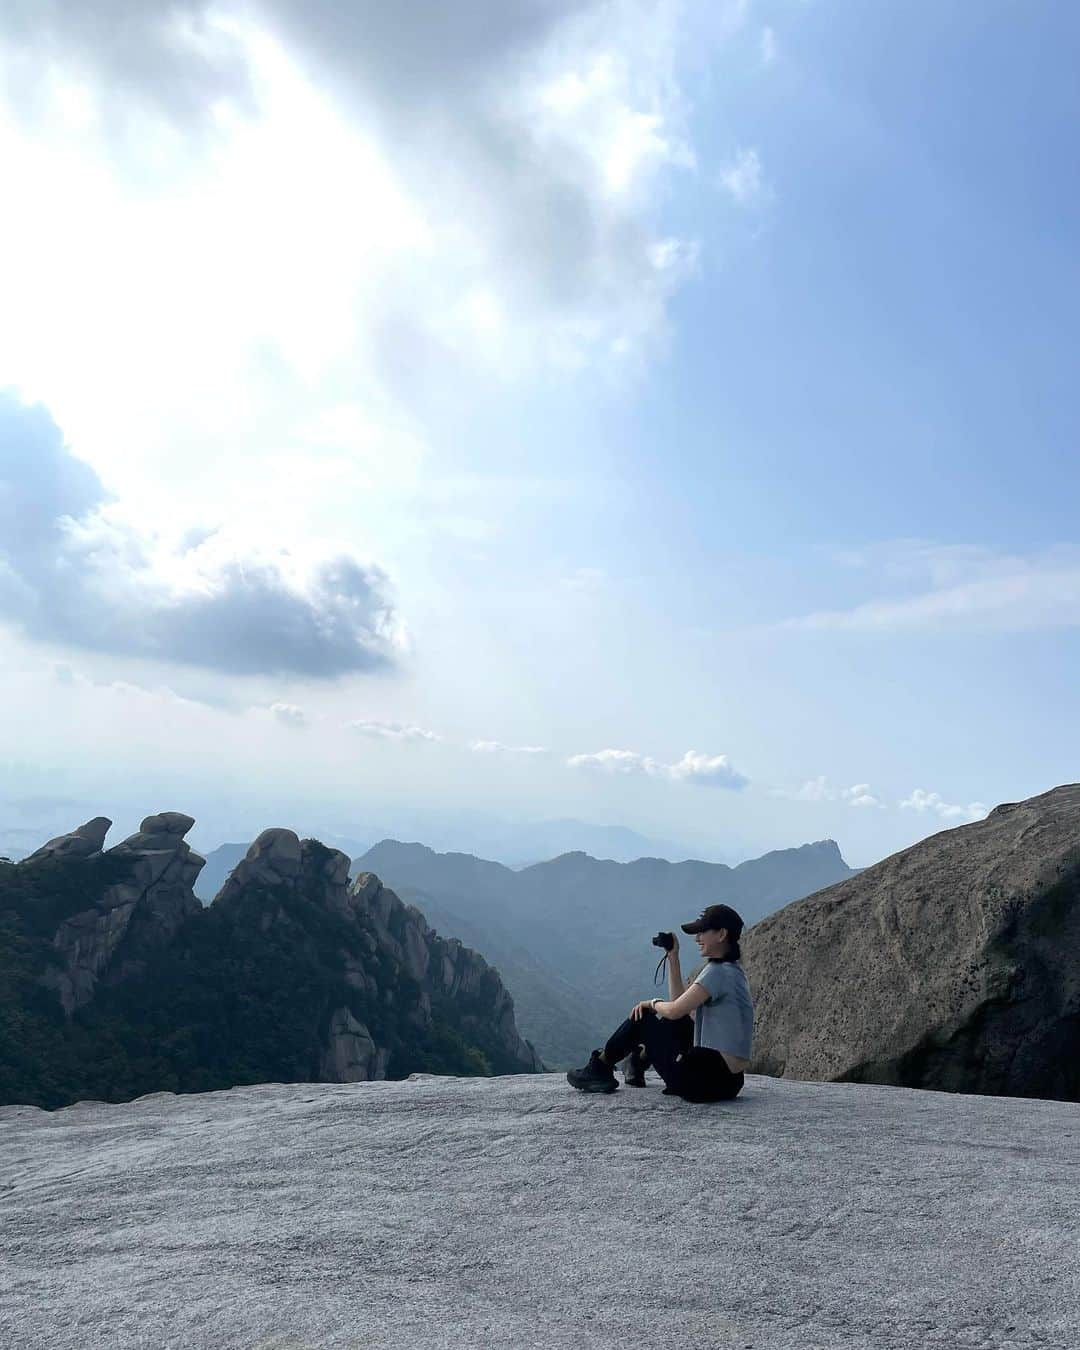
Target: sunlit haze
<point>642,413</point>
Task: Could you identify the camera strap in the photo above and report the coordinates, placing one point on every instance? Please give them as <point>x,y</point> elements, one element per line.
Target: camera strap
<point>657,977</point>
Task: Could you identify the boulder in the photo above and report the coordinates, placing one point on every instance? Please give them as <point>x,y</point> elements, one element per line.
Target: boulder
<point>953,965</point>
<point>274,859</point>
<point>84,842</point>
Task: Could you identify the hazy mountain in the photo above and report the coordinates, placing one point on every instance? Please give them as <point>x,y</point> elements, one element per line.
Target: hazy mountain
<point>219,863</point>
<point>519,845</point>
<point>514,845</point>
<point>587,923</point>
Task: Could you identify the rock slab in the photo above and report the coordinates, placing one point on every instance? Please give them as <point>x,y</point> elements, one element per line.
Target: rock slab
<point>953,965</point>
<point>467,1213</point>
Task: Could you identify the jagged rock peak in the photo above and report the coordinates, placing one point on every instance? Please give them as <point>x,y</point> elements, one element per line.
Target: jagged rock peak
<point>83,842</point>
<point>100,942</point>
<point>279,858</point>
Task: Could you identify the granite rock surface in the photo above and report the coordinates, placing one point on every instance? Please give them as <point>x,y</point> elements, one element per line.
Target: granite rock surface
<point>467,1213</point>
<point>112,938</point>
<point>952,965</point>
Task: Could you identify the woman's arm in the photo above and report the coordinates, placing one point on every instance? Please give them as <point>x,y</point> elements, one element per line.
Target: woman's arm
<point>684,1005</point>
<point>675,985</point>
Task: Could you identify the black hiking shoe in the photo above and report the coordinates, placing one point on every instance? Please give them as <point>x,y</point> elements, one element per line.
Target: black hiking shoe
<point>596,1076</point>
<point>634,1073</point>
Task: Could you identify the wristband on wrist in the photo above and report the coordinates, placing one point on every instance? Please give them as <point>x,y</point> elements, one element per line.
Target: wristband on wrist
<point>654,1002</point>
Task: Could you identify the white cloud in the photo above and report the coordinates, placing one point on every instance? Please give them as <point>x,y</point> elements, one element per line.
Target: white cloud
<point>299,222</point>
<point>74,570</point>
<point>695,768</point>
<point>819,790</point>
<point>708,770</point>
<point>922,801</point>
<point>767,46</point>
<point>971,589</point>
<point>616,761</point>
<point>392,731</point>
<point>356,184</point>
<point>743,178</point>
<point>497,748</point>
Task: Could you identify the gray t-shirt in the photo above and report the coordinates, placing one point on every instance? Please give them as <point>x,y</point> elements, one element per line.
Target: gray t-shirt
<point>726,1022</point>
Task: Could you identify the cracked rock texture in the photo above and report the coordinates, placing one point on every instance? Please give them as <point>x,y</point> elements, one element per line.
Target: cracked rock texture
<point>953,965</point>
<point>460,1213</point>
<point>142,912</point>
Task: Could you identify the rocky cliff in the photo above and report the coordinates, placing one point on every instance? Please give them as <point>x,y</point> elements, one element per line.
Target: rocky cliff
<point>952,965</point>
<point>287,871</point>
<point>114,936</point>
<point>293,973</point>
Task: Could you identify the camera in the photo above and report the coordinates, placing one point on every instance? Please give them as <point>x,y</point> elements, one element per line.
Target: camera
<point>665,940</point>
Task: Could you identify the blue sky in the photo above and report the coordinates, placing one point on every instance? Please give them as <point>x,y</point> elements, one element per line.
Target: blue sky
<point>656,414</point>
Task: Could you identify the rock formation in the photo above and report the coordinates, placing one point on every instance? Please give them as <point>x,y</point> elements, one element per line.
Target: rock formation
<point>140,912</point>
<point>84,842</point>
<point>380,923</point>
<point>292,974</point>
<point>953,965</point>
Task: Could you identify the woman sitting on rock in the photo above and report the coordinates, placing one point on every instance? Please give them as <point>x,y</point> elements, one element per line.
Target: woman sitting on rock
<point>698,1040</point>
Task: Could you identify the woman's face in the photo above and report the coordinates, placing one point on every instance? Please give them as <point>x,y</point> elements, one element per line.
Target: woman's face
<point>712,942</point>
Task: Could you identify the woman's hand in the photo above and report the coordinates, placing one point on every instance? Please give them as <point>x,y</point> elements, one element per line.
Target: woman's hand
<point>639,1009</point>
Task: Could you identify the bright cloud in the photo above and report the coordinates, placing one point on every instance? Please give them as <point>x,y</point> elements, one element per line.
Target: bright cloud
<point>392,731</point>
<point>296,221</point>
<point>922,802</point>
<point>616,761</point>
<point>259,187</point>
<point>74,572</point>
<point>707,770</point>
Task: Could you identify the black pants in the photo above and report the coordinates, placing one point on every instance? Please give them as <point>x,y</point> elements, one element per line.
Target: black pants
<point>693,1072</point>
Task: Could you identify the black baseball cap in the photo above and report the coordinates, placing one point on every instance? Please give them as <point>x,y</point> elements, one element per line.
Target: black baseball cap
<point>716,916</point>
